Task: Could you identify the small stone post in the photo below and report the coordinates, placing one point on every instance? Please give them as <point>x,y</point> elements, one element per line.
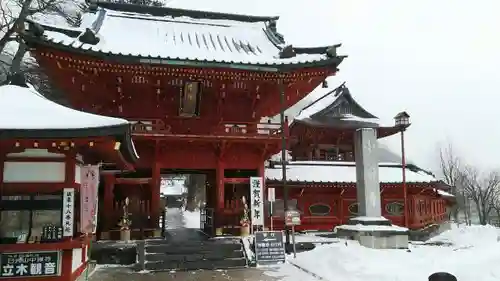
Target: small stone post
<point>442,276</point>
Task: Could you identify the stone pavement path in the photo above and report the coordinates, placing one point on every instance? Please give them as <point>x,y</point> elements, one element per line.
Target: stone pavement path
<point>174,218</point>
<point>122,274</point>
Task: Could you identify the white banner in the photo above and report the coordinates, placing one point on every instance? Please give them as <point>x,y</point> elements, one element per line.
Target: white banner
<point>89,193</point>
<point>68,211</point>
<point>256,200</point>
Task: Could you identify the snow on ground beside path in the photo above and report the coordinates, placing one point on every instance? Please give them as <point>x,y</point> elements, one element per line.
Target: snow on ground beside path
<point>192,219</point>
<point>473,256</point>
<point>288,272</point>
<point>464,236</point>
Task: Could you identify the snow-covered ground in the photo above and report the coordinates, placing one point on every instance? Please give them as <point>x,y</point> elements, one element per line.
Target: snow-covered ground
<point>472,254</point>
<point>192,219</point>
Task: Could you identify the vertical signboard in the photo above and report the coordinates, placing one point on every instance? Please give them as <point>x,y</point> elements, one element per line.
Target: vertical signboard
<point>89,198</point>
<point>256,201</point>
<point>68,211</point>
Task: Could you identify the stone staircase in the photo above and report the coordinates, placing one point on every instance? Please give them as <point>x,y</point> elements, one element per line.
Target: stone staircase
<point>165,255</point>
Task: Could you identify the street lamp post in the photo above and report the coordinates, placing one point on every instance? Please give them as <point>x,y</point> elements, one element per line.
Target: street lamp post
<point>402,121</point>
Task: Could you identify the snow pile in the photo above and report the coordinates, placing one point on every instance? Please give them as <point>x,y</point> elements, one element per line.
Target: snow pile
<point>192,219</point>
<point>466,236</point>
<point>247,244</point>
<point>474,256</point>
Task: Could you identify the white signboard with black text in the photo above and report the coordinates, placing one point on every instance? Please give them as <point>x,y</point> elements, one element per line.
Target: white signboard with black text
<point>256,201</point>
<point>68,211</point>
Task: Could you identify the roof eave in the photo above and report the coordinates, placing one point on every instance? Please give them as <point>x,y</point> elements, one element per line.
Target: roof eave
<point>332,62</point>
<point>72,133</point>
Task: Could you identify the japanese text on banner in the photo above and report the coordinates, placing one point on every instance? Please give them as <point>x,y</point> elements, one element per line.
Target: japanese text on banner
<point>89,198</point>
<point>256,200</point>
<point>68,208</point>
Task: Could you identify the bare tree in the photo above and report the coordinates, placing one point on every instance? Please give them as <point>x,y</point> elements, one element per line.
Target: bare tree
<point>13,15</point>
<point>195,184</point>
<point>482,189</point>
<point>496,208</point>
<point>451,170</point>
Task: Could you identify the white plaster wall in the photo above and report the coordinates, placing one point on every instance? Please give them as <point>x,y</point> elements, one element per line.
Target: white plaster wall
<point>76,260</point>
<point>33,171</point>
<point>78,175</point>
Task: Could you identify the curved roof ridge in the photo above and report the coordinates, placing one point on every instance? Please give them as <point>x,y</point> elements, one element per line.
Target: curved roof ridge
<point>178,12</point>
<point>346,93</point>
<point>336,90</point>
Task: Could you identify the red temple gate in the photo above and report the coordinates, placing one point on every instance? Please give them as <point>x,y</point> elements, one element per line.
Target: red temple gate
<point>197,89</point>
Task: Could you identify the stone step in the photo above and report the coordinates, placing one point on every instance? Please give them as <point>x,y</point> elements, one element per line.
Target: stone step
<point>194,242</point>
<point>186,249</point>
<point>194,265</point>
<point>214,255</point>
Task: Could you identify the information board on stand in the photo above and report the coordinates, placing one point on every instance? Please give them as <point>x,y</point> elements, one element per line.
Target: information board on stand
<point>269,247</point>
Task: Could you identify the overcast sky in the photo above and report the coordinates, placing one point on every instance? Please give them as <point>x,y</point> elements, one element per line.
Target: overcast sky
<point>438,60</point>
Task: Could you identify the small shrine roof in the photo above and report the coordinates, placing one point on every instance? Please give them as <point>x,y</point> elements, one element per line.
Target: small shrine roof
<point>154,34</point>
<point>331,172</point>
<point>337,108</point>
<point>25,113</point>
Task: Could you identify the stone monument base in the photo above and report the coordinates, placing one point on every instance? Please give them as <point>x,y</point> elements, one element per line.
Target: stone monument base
<point>374,232</point>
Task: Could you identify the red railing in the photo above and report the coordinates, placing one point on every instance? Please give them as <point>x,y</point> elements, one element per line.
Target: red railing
<point>159,127</point>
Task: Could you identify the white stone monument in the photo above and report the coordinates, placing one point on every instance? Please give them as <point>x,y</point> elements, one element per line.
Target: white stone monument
<point>371,229</point>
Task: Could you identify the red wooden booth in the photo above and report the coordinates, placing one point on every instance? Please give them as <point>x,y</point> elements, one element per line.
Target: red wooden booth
<point>322,175</point>
<point>43,146</point>
<point>196,85</point>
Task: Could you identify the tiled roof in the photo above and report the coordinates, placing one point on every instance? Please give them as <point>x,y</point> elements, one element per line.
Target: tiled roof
<point>329,172</point>
<point>192,35</point>
<point>337,104</point>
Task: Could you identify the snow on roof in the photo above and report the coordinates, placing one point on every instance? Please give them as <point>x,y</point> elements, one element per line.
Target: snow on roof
<point>317,105</point>
<point>329,171</point>
<point>23,108</point>
<point>338,103</point>
<point>444,193</point>
<point>184,38</point>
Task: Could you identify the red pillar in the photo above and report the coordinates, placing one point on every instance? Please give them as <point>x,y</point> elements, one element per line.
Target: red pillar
<point>155,195</point>
<point>2,161</point>
<point>219,177</point>
<point>109,186</point>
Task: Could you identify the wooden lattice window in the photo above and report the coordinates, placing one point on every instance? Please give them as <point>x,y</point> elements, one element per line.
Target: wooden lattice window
<point>190,99</point>
<point>319,209</point>
<point>27,215</point>
<point>395,208</point>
